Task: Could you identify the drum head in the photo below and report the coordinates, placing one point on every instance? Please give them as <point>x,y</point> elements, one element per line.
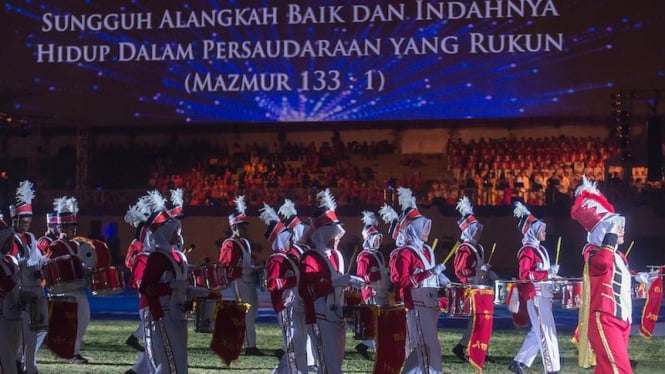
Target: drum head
<point>87,254</point>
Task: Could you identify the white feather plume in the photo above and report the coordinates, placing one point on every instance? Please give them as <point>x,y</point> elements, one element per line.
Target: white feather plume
<point>369,218</point>
<point>134,215</point>
<point>239,201</point>
<point>587,185</point>
<point>59,204</point>
<point>176,197</point>
<point>464,206</point>
<point>268,214</point>
<point>24,192</point>
<point>388,214</point>
<point>143,205</point>
<point>156,201</point>
<point>72,205</point>
<point>405,198</point>
<point>520,210</point>
<point>288,209</point>
<point>326,200</point>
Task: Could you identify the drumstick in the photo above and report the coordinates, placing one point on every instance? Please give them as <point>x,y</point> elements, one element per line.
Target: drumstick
<point>353,258</point>
<point>452,252</point>
<point>558,249</point>
<point>436,241</point>
<point>492,252</point>
<point>630,247</point>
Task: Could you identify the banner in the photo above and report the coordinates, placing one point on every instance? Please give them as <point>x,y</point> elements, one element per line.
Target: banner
<point>62,326</point>
<point>482,301</point>
<point>652,306</point>
<point>390,340</point>
<point>229,334</point>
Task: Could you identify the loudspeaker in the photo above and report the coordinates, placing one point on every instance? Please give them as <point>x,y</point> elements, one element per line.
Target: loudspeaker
<point>654,149</point>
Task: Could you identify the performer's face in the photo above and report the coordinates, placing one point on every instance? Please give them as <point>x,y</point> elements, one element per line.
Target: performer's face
<point>376,241</point>
<point>621,234</point>
<point>23,223</point>
<point>241,229</point>
<point>68,231</point>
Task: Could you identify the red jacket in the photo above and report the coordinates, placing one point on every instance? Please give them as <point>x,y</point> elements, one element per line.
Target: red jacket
<point>152,287</point>
<point>529,257</point>
<point>44,242</point>
<point>315,280</point>
<point>466,261</point>
<point>403,272</point>
<point>280,276</point>
<point>369,269</point>
<point>231,256</point>
<point>606,278</point>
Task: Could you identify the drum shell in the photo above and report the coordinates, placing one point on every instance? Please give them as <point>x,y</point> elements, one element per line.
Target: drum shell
<point>459,301</point>
<point>351,300</point>
<point>205,315</point>
<point>64,274</point>
<point>107,281</point>
<point>639,291</point>
<point>501,289</point>
<point>571,295</point>
<point>213,276</point>
<point>365,321</point>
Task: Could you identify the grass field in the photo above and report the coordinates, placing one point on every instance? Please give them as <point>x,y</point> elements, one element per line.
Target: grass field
<point>104,343</point>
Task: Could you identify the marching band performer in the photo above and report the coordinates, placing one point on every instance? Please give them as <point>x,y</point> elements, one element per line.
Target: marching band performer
<point>299,245</point>
<point>391,218</point>
<point>10,315</point>
<point>606,288</point>
<point>30,262</point>
<point>164,285</point>
<point>373,268</point>
<point>470,266</point>
<point>140,216</point>
<point>322,284</point>
<point>534,265</point>
<point>282,275</point>
<point>67,211</point>
<point>236,256</point>
<point>419,277</point>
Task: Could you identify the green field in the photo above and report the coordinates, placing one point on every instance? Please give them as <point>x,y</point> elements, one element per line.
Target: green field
<point>104,343</point>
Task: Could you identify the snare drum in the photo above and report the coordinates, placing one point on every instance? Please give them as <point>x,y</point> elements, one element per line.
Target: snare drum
<point>63,274</point>
<point>107,281</point>
<point>213,276</point>
<point>571,295</point>
<point>639,291</point>
<point>502,290</point>
<point>351,300</point>
<point>459,301</point>
<point>37,309</point>
<point>365,321</point>
<point>205,315</point>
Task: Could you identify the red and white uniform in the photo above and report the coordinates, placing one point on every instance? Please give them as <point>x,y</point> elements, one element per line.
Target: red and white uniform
<point>136,261</point>
<point>324,303</point>
<point>45,241</point>
<point>610,308</point>
<point>236,256</point>
<point>419,290</point>
<point>10,314</point>
<point>468,259</point>
<point>373,269</point>
<point>66,247</point>
<point>30,262</point>
<point>534,265</point>
<point>282,275</point>
<point>163,287</point>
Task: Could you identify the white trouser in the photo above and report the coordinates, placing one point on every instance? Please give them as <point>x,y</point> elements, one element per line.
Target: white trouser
<point>332,337</point>
<point>32,340</point>
<point>246,291</point>
<point>312,352</point>
<point>294,360</point>
<point>142,365</point>
<point>10,333</point>
<point>83,319</point>
<point>166,343</point>
<point>541,337</point>
<point>424,354</point>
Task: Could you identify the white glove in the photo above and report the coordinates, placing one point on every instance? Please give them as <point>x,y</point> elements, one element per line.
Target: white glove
<point>341,281</point>
<point>485,267</point>
<point>443,280</point>
<point>540,266</point>
<point>438,269</point>
<point>554,270</point>
<point>642,277</point>
<point>356,282</point>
